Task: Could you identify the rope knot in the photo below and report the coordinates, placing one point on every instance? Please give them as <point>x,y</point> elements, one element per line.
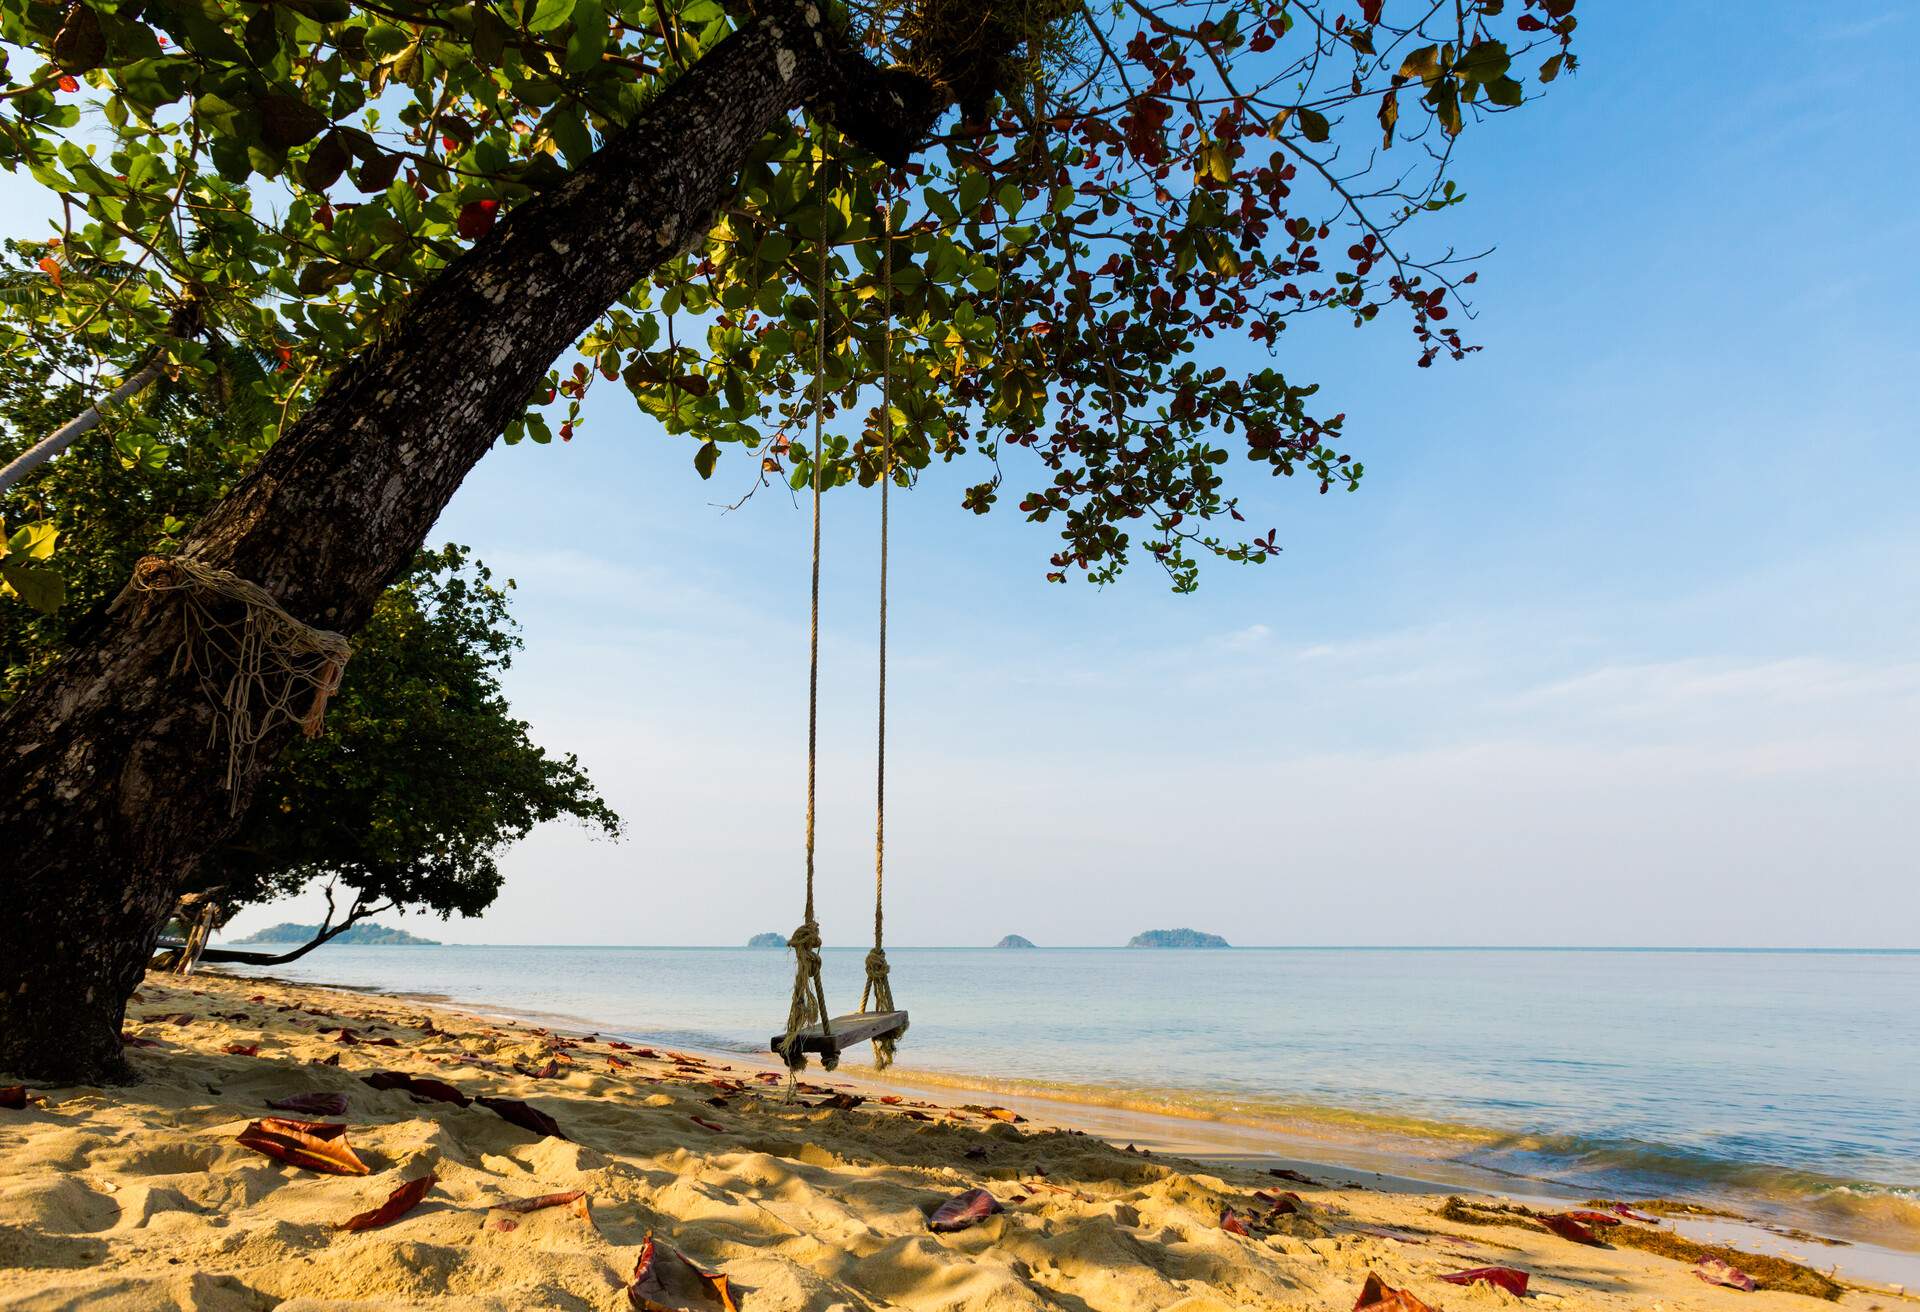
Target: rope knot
<point>877,968</point>
<point>809,999</point>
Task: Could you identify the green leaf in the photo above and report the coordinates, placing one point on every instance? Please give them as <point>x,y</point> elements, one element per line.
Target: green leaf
<point>704,458</point>
<point>545,15</point>
<point>38,585</point>
<point>1313,125</point>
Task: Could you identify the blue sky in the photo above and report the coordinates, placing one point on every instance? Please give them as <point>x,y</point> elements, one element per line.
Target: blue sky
<point>1617,645</point>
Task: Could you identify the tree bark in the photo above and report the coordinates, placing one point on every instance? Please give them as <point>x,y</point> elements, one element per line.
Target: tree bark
<point>109,791</point>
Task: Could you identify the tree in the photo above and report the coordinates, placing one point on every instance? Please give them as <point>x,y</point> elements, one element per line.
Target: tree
<point>373,805</point>
<point>654,183</point>
<point>423,776</point>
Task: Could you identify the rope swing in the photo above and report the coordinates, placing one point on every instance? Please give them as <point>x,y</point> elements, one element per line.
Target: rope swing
<point>808,1027</point>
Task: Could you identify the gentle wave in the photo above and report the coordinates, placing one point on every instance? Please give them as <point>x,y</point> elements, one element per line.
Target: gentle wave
<point>1868,1210</point>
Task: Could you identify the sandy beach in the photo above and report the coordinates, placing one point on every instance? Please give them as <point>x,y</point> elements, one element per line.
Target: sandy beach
<point>145,1197</point>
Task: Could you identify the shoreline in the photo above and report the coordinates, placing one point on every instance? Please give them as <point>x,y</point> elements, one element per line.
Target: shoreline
<point>148,1196</point>
<point>1338,1144</point>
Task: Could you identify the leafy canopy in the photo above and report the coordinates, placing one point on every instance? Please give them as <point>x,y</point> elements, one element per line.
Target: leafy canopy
<point>1128,183</point>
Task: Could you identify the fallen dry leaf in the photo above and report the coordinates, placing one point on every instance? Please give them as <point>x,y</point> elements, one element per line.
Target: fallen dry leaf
<point>706,1124</point>
<point>1376,1293</point>
<point>1230,1222</point>
<point>524,1116</point>
<point>135,1041</point>
<point>962,1211</point>
<point>242,1049</point>
<point>997,1113</point>
<point>666,1280</point>
<point>1715,1272</point>
<point>419,1086</point>
<point>1568,1228</point>
<point>314,1104</point>
<point>542,1201</point>
<point>1595,1218</point>
<point>14,1097</point>
<point>1512,1280</point>
<point>617,1064</point>
<point>398,1204</point>
<point>315,1145</point>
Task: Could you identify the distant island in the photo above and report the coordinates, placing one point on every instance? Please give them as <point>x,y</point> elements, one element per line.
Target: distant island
<point>767,941</point>
<point>1177,938</point>
<point>363,935</point>
<point>1015,941</point>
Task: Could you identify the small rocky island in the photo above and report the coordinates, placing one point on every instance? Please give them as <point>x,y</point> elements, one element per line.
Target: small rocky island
<point>359,935</point>
<point>767,941</point>
<point>1015,941</point>
<point>1176,938</point>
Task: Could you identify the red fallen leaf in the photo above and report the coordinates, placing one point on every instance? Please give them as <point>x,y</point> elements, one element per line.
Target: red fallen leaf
<point>1230,1222</point>
<point>963,1210</point>
<point>334,1060</point>
<point>242,1049</point>
<point>542,1201</point>
<point>1715,1272</point>
<point>685,1060</point>
<point>1281,1203</point>
<point>1568,1228</point>
<point>527,1118</point>
<point>618,1064</point>
<point>666,1280</point>
<point>135,1041</point>
<point>316,1104</point>
<point>1595,1218</point>
<point>913,1115</point>
<point>1621,1209</point>
<point>476,218</point>
<point>546,1072</point>
<point>398,1204</point>
<point>1376,1293</point>
<point>615,1043</point>
<point>315,1145</point>
<point>257,997</point>
<point>346,1036</point>
<point>385,1041</point>
<point>14,1097</point>
<point>1506,1277</point>
<point>418,1086</point>
<point>768,1077</point>
<point>706,1124</point>
<point>890,1099</point>
<point>646,1052</point>
<point>844,1102</point>
<point>997,1113</point>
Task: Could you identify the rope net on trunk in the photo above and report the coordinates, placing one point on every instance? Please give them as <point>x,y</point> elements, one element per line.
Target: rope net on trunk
<point>259,667</point>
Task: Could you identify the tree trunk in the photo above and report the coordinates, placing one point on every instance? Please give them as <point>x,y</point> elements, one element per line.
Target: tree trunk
<point>109,791</point>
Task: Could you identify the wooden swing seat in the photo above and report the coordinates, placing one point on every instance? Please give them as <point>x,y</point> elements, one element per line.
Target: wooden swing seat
<point>853,1028</point>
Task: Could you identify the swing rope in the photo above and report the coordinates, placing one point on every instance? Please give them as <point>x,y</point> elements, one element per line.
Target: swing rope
<point>809,1002</point>
<point>878,989</point>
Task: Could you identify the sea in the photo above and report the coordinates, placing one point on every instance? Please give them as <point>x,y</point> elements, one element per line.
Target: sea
<point>1787,1081</point>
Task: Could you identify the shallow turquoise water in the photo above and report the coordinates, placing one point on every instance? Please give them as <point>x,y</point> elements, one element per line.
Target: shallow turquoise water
<point>1773,1073</point>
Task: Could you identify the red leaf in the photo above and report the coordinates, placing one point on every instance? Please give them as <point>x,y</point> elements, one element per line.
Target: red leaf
<point>314,1104</point>
<point>14,1097</point>
<point>1506,1277</point>
<point>69,83</point>
<point>242,1049</point>
<point>398,1204</point>
<point>542,1201</point>
<point>615,1043</point>
<point>706,1124</point>
<point>962,1211</point>
<point>1715,1272</point>
<point>1568,1228</point>
<point>666,1280</point>
<point>1595,1218</point>
<point>315,1145</point>
<point>135,1041</point>
<point>1376,1293</point>
<point>615,1063</point>
<point>476,218</point>
<point>418,1086</point>
<point>527,1118</point>
<point>1230,1222</point>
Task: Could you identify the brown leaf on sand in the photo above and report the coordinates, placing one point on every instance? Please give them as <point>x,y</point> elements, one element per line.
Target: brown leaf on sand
<point>962,1211</point>
<point>334,1060</point>
<point>1568,1228</point>
<point>314,1104</point>
<point>615,1063</point>
<point>1511,1279</point>
<point>524,1116</point>
<point>706,1124</point>
<point>1376,1293</point>
<point>1595,1218</point>
<point>1283,1202</point>
<point>843,1102</point>
<point>913,1114</point>
<point>1287,1173</point>
<point>1716,1272</point>
<point>242,1049</point>
<point>1230,1222</point>
<point>666,1280</point>
<point>135,1041</point>
<point>398,1204</point>
<point>315,1145</point>
<point>541,1202</point>
<point>418,1086</point>
<point>996,1113</point>
<point>890,1099</point>
<point>14,1097</point>
<point>547,1072</point>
